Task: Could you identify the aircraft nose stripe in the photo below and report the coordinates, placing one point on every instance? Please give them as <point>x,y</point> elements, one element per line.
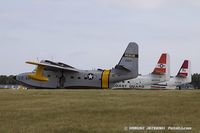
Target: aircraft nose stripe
<point>105,79</point>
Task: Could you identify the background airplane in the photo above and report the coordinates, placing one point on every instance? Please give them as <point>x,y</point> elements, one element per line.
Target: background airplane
<point>161,73</point>
<point>50,74</point>
<point>184,76</point>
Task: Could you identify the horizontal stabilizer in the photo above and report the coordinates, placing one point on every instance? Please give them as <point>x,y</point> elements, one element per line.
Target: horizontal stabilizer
<point>120,67</point>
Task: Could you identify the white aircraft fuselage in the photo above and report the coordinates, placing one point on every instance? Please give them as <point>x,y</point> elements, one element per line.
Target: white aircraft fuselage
<point>173,83</point>
<point>141,82</point>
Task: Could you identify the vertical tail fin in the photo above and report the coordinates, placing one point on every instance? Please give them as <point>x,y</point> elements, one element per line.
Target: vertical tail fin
<point>129,60</point>
<point>185,70</point>
<point>163,65</point>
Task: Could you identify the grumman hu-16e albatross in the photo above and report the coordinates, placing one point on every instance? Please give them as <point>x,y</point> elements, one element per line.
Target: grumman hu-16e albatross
<point>50,74</point>
<point>184,76</point>
<point>161,73</point>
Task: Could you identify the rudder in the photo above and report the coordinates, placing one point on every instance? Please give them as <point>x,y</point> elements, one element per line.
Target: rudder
<point>185,70</point>
<point>163,65</point>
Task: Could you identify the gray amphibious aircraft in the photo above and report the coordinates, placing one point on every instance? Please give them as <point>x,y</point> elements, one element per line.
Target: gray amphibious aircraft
<point>52,75</point>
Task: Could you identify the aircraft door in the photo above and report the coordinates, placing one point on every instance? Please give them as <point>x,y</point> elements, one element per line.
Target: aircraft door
<point>62,80</point>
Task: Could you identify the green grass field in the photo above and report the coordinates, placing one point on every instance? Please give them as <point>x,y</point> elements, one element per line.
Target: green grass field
<point>98,111</point>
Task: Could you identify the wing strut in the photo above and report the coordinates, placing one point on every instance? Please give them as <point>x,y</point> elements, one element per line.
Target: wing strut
<point>38,74</point>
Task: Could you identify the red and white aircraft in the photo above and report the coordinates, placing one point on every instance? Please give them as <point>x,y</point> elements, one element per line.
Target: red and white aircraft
<point>184,76</point>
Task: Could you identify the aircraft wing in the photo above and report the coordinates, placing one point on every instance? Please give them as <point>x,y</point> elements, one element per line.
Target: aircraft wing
<point>48,65</point>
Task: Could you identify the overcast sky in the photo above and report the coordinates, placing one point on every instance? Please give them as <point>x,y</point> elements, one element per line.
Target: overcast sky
<point>90,34</point>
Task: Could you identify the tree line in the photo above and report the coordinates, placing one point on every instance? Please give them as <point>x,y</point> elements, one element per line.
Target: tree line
<point>196,80</point>
<point>9,80</point>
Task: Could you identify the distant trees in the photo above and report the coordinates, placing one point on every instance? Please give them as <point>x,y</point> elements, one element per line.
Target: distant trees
<point>196,80</point>
<point>8,80</point>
